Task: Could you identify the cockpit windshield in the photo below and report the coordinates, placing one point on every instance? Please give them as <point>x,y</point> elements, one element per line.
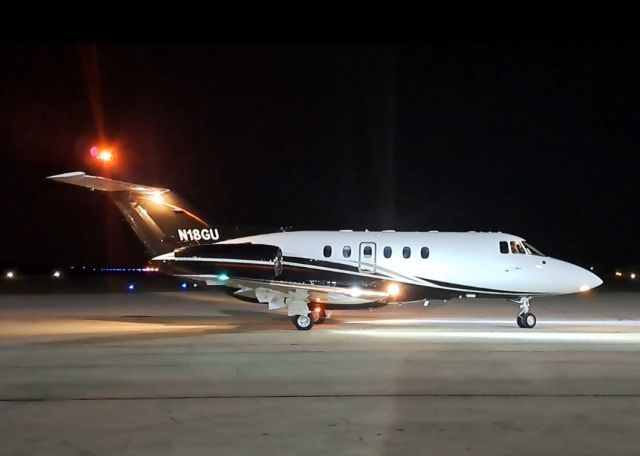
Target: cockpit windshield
<point>531,250</point>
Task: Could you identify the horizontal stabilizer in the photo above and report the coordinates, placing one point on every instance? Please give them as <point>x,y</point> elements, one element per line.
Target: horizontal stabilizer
<point>102,183</point>
<point>159,217</point>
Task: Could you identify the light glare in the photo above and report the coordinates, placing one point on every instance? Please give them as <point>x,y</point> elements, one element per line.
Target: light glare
<point>355,292</point>
<point>105,155</point>
<point>393,290</point>
<point>157,198</point>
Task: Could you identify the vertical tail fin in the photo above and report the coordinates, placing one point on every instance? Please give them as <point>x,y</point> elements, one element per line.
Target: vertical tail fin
<point>158,216</point>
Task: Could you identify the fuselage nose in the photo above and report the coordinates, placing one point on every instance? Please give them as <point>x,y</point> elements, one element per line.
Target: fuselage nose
<point>585,280</point>
<point>569,278</point>
<point>593,280</point>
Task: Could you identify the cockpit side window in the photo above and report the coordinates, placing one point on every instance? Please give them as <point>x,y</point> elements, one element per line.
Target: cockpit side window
<point>531,250</point>
<point>504,247</point>
<point>516,247</point>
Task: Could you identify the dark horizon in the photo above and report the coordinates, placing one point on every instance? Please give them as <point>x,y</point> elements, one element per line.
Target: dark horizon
<point>534,141</point>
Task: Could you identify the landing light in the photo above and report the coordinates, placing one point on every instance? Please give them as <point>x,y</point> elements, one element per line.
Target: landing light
<point>355,292</point>
<point>393,290</point>
<point>585,287</point>
<point>10,275</point>
<point>223,277</point>
<point>633,276</point>
<point>56,274</point>
<point>618,274</point>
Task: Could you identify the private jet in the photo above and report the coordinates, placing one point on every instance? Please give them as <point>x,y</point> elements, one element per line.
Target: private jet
<point>310,272</point>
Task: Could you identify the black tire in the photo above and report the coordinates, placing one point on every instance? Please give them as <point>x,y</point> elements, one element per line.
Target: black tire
<point>529,320</point>
<point>303,322</point>
<point>520,321</point>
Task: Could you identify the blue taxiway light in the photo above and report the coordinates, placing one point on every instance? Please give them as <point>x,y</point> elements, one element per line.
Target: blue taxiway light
<point>131,287</point>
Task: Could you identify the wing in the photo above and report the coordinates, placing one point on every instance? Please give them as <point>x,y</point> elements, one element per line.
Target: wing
<point>296,297</point>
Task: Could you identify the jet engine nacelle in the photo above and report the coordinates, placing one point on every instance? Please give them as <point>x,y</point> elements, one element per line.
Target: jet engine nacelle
<point>254,260</point>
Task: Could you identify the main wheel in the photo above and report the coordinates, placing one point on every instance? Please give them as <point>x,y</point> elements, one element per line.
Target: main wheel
<point>303,322</point>
<point>520,321</point>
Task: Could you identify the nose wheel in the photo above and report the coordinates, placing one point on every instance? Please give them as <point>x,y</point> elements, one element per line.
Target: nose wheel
<point>525,319</point>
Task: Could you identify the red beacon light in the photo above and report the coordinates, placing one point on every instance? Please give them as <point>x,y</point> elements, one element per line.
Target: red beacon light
<point>104,155</point>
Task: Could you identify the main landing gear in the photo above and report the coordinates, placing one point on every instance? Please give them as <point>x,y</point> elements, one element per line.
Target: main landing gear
<point>306,322</point>
<point>303,322</point>
<point>525,319</point>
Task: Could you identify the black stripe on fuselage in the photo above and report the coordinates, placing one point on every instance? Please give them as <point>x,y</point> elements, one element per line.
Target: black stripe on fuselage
<point>468,288</point>
<point>308,272</point>
<point>321,263</point>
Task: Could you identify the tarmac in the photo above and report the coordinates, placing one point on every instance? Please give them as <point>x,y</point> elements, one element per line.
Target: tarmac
<point>203,373</point>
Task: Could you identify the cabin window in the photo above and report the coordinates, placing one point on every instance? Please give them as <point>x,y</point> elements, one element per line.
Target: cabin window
<point>346,251</point>
<point>504,247</point>
<point>424,252</point>
<point>327,251</point>
<point>367,251</point>
<point>516,247</point>
<point>387,252</point>
<point>406,252</point>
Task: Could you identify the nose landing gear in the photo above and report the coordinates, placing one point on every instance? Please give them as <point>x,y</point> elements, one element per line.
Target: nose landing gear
<point>525,319</point>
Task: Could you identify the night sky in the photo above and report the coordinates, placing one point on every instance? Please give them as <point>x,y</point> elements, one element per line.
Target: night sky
<point>538,142</point>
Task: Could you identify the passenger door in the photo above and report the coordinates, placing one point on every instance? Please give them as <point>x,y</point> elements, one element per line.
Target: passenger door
<point>367,257</point>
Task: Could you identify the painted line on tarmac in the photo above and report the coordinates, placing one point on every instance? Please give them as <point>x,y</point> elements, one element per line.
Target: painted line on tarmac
<point>490,321</point>
<point>328,396</point>
<point>515,335</point>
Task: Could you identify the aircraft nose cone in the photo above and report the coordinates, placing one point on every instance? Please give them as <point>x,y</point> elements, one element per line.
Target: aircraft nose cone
<point>597,281</point>
<point>588,280</point>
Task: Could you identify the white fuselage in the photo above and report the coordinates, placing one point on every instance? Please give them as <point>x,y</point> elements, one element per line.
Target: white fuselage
<point>468,262</point>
